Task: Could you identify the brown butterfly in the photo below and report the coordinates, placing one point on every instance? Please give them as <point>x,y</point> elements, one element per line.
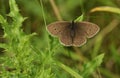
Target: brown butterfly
<point>73,33</point>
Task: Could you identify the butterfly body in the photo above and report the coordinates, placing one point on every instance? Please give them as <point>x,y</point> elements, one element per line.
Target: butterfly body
<point>72,33</point>
<point>72,30</point>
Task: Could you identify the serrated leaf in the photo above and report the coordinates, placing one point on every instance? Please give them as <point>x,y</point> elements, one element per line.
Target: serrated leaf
<point>2,20</point>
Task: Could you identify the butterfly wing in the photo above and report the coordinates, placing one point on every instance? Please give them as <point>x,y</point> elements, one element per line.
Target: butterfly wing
<point>65,37</point>
<point>83,30</point>
<point>90,29</point>
<point>57,28</point>
<point>79,38</point>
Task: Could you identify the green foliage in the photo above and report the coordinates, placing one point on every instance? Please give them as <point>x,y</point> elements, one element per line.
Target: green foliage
<point>38,55</point>
<point>87,69</point>
<point>21,59</point>
<point>91,66</point>
<point>69,70</point>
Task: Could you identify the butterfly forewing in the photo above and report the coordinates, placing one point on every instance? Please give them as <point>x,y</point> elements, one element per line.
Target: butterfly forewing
<point>89,28</point>
<point>57,28</point>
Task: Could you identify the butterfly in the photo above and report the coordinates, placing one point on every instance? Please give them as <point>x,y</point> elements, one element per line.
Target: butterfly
<point>73,33</point>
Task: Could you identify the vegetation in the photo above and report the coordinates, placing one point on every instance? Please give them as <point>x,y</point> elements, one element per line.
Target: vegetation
<point>28,51</point>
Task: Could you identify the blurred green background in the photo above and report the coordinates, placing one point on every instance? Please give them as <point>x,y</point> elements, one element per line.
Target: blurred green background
<point>107,41</point>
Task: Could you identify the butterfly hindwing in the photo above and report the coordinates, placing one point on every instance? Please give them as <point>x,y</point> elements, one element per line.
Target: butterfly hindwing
<point>80,37</point>
<point>65,37</point>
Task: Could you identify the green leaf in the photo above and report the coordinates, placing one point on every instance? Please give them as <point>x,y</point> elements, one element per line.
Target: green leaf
<point>80,18</point>
<point>2,45</point>
<point>13,8</point>
<point>2,20</point>
<point>92,65</point>
<point>69,70</point>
